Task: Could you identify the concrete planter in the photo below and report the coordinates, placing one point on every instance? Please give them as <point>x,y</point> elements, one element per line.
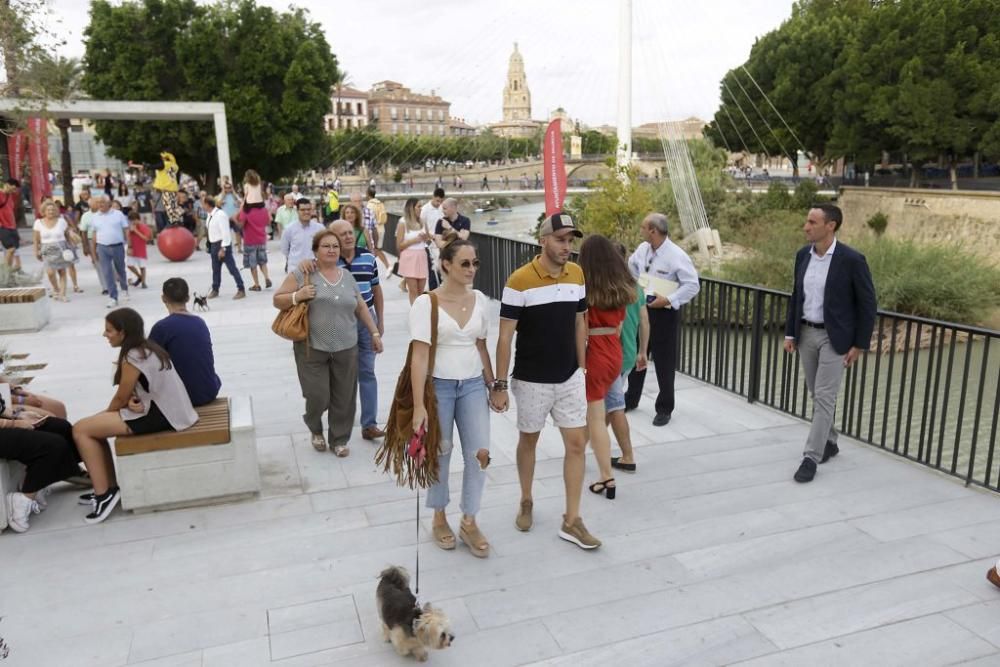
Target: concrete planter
<point>23,309</point>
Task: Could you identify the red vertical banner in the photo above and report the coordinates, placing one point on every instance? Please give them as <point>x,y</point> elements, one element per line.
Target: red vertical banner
<point>16,145</point>
<point>554,168</point>
<point>38,158</point>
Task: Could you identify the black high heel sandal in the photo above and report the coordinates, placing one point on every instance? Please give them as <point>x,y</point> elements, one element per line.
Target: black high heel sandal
<point>602,487</point>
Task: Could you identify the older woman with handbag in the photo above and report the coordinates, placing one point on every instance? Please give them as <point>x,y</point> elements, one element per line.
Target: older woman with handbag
<point>52,246</point>
<point>327,358</point>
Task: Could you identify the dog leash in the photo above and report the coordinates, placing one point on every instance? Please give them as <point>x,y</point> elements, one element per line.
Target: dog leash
<point>417,544</point>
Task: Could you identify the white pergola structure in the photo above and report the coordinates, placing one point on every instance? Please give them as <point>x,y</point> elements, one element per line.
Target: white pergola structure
<point>121,110</point>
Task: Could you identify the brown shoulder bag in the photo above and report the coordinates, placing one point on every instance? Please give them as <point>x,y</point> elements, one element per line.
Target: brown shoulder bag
<point>399,429</point>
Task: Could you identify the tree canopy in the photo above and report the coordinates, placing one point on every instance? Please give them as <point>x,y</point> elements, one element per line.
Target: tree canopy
<point>274,72</point>
<point>854,78</point>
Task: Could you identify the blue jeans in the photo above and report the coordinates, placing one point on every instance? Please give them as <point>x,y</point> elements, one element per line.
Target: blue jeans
<point>111,259</point>
<point>367,383</point>
<point>230,262</point>
<point>461,402</point>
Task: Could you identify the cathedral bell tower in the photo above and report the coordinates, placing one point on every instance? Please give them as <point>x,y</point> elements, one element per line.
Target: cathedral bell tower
<point>516,96</point>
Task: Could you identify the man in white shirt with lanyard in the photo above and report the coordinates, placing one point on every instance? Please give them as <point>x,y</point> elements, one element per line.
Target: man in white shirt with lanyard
<point>660,259</point>
<point>220,247</point>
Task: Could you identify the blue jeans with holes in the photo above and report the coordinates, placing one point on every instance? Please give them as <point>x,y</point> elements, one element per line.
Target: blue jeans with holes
<point>367,384</point>
<point>462,403</point>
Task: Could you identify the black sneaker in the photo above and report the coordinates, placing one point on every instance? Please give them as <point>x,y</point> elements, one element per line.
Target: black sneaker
<point>103,505</point>
<point>806,471</point>
<point>830,451</point>
<point>86,498</point>
<point>661,419</point>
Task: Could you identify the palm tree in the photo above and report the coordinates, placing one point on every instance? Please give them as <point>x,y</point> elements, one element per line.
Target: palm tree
<point>58,79</point>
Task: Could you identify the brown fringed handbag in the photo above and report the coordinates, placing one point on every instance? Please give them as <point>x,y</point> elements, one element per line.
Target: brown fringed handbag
<point>399,429</point>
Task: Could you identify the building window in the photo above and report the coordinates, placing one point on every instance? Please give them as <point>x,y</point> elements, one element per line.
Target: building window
<point>406,113</point>
<point>375,113</point>
<point>420,113</point>
<point>392,113</point>
<point>418,129</point>
<point>395,129</point>
<point>360,112</point>
<point>406,128</point>
<point>441,130</point>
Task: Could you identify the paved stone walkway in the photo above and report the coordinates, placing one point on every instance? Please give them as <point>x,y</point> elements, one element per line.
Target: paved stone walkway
<point>712,555</point>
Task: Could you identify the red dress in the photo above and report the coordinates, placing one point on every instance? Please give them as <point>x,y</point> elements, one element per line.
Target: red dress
<point>604,352</point>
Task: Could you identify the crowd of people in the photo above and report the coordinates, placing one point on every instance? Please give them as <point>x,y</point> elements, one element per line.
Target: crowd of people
<point>579,334</point>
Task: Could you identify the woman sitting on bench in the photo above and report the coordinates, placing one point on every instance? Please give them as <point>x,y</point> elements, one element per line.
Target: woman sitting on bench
<point>151,398</point>
<point>44,444</point>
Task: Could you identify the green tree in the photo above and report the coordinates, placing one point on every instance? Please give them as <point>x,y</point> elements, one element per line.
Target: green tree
<point>57,79</point>
<point>274,71</point>
<point>25,33</point>
<point>617,206</point>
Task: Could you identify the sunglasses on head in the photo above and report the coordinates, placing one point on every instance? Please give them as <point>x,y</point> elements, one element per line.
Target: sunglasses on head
<point>466,263</point>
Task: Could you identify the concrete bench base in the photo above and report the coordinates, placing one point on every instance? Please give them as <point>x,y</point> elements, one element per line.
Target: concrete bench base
<point>26,316</point>
<point>11,474</point>
<point>194,475</point>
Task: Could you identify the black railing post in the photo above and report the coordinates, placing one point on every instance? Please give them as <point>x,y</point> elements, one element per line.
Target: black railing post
<point>756,345</point>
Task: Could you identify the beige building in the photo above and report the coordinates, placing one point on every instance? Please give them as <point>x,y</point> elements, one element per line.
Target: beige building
<point>395,109</point>
<point>457,127</point>
<point>350,109</point>
<point>516,102</point>
<point>689,128</point>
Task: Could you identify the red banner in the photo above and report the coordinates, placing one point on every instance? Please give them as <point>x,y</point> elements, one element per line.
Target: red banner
<point>554,168</point>
<point>16,145</point>
<point>38,161</point>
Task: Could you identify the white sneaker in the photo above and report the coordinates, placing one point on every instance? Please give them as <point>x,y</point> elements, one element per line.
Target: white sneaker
<point>112,303</point>
<point>42,498</point>
<point>19,509</point>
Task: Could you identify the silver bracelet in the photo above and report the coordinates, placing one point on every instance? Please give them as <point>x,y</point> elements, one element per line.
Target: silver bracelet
<point>294,300</point>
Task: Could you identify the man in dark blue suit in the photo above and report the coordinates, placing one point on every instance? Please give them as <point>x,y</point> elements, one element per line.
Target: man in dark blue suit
<point>830,319</point>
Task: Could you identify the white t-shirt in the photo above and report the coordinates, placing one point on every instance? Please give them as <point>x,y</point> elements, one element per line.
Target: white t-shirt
<point>430,215</point>
<point>457,357</point>
<point>47,235</point>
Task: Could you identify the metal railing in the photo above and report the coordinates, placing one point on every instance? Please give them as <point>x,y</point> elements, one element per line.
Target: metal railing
<point>927,390</point>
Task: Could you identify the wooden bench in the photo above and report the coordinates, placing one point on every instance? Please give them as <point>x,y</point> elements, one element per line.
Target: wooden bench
<point>213,461</point>
<point>11,474</point>
<point>23,309</point>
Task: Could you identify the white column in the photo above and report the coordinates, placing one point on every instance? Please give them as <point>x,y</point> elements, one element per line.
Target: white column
<point>222,145</point>
<point>625,84</point>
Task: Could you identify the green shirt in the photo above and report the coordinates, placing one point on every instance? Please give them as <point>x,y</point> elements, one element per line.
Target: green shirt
<point>285,216</point>
<point>630,331</point>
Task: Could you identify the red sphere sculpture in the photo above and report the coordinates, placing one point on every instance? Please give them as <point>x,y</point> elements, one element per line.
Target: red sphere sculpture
<point>176,243</point>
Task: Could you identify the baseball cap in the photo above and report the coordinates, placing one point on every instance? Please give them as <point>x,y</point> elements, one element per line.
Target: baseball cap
<point>558,221</point>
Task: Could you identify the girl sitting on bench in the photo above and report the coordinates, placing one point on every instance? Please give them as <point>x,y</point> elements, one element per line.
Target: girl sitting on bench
<point>150,398</point>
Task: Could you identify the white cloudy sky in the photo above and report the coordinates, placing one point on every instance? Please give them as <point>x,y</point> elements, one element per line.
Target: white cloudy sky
<point>460,48</point>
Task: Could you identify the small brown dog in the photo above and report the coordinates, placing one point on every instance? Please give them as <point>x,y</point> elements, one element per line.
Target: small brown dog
<point>410,628</point>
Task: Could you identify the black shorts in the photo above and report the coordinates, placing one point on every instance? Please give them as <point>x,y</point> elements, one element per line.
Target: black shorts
<point>151,422</point>
<point>9,238</point>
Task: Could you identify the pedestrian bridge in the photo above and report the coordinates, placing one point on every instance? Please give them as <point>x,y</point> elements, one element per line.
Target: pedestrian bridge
<point>712,554</point>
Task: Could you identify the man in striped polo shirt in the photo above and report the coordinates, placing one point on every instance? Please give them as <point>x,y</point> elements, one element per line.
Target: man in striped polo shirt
<point>364,268</point>
<point>545,303</point>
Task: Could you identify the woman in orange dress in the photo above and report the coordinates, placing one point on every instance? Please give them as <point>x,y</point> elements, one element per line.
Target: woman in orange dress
<point>610,287</point>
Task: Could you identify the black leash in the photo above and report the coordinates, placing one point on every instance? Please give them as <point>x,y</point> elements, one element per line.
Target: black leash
<point>418,543</point>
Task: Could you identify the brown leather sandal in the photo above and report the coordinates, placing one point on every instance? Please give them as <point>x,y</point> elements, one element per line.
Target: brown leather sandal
<point>444,536</point>
<point>474,539</point>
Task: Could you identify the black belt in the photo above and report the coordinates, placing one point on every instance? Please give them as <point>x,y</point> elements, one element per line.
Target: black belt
<point>110,245</point>
<point>814,325</point>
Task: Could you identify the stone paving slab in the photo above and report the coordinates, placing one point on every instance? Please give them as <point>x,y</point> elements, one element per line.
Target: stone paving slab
<point>712,554</point>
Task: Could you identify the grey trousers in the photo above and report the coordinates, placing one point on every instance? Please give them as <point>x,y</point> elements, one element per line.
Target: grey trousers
<point>824,370</point>
<point>329,382</point>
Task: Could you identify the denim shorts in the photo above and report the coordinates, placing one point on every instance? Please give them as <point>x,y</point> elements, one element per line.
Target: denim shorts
<point>615,400</point>
<point>254,256</point>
